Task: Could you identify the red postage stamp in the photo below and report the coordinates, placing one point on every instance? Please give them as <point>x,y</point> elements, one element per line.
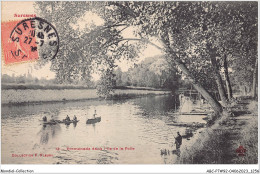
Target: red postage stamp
<point>29,40</point>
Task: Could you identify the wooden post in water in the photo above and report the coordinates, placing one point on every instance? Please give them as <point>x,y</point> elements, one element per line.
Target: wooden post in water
<point>190,92</point>
<point>175,103</point>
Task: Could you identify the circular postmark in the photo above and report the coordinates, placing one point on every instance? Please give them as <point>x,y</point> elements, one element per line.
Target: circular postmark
<point>34,38</point>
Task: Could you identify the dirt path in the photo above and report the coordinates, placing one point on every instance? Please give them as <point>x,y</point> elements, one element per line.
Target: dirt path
<point>219,143</point>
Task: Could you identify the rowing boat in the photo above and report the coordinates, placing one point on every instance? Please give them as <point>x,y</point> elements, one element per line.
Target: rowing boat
<point>93,120</point>
<point>71,121</point>
<point>59,121</point>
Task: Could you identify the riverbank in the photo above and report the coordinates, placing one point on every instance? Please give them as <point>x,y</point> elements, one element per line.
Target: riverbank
<point>219,143</point>
<point>22,96</point>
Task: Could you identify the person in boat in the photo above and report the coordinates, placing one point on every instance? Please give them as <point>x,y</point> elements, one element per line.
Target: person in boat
<point>95,114</point>
<point>52,119</point>
<point>178,141</point>
<point>75,118</point>
<point>44,118</point>
<point>67,118</point>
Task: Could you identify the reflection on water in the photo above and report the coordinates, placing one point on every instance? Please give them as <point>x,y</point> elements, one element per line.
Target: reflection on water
<point>135,130</point>
<point>47,132</point>
<point>75,124</point>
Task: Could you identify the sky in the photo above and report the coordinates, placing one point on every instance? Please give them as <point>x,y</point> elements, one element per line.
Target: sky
<point>87,19</point>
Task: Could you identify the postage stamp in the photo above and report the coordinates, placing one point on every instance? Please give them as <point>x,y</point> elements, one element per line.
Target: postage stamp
<point>28,40</point>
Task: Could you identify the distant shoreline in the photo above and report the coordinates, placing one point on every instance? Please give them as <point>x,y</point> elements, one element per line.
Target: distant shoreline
<point>14,86</point>
<point>40,96</point>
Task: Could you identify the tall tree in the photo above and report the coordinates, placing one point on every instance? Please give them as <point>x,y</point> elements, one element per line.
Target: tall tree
<point>216,69</point>
<point>106,40</point>
<point>227,80</point>
<point>255,79</point>
<point>184,29</point>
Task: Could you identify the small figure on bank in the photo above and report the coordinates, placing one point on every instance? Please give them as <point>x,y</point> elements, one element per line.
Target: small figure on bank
<point>75,118</point>
<point>44,118</point>
<point>67,118</point>
<point>94,115</point>
<point>178,141</point>
<point>52,119</point>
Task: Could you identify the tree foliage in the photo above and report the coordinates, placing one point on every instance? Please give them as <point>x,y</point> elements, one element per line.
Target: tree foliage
<point>188,33</point>
<point>152,72</point>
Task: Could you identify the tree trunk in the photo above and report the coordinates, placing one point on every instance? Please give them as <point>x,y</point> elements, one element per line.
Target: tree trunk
<point>228,84</point>
<point>213,103</point>
<point>218,78</point>
<point>255,80</point>
<point>245,91</point>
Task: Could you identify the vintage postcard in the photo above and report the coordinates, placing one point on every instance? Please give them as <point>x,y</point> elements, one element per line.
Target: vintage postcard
<point>122,82</point>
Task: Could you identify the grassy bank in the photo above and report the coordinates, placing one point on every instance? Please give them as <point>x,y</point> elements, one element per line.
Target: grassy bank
<point>24,86</point>
<point>19,96</point>
<point>218,143</point>
<point>13,86</point>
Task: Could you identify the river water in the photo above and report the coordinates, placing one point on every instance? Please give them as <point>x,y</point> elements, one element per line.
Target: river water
<point>132,131</point>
